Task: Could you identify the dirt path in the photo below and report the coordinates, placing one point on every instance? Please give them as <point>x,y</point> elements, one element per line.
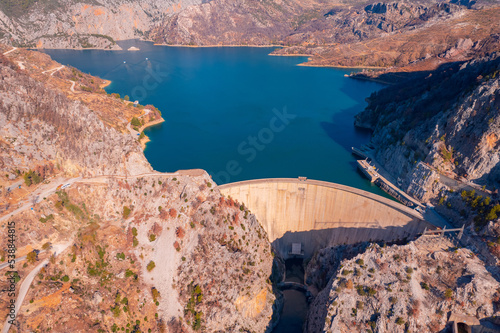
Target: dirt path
<point>53,70</point>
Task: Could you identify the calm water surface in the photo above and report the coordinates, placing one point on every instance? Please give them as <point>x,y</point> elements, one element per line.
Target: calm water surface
<point>237,112</point>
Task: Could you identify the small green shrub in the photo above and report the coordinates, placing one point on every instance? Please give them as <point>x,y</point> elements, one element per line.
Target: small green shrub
<point>151,266</point>
<point>126,212</point>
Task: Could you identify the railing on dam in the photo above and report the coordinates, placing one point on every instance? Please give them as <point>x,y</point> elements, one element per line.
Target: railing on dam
<point>320,214</point>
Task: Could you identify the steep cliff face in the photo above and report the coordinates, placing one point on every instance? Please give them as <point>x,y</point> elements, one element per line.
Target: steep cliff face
<point>405,288</point>
<point>76,24</point>
<point>239,22</point>
<point>41,125</point>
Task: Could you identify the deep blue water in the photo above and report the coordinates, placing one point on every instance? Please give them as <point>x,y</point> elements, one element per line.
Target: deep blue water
<point>225,110</point>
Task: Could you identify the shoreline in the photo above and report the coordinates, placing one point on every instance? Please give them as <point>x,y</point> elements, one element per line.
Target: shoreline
<point>290,55</point>
<point>146,139</point>
<point>71,49</point>
<point>306,64</point>
<point>218,45</point>
<point>356,77</point>
<point>105,84</point>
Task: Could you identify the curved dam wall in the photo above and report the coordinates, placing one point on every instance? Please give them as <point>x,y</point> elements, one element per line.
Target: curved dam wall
<point>319,214</point>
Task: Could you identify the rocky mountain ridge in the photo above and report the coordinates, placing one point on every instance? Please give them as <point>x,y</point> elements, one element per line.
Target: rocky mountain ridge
<point>81,24</point>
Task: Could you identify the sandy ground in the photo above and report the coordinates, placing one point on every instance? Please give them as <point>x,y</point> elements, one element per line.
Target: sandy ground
<point>167,260</point>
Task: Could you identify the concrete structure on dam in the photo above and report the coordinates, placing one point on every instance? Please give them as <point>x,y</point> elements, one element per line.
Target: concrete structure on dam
<point>319,214</point>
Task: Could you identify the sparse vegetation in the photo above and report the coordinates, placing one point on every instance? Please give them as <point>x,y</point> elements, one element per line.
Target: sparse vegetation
<point>151,265</point>
<point>47,218</point>
<point>126,212</point>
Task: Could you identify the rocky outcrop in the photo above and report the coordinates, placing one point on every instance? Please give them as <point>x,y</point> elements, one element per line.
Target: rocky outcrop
<point>405,288</point>
<point>445,119</point>
<point>40,125</point>
<point>82,24</point>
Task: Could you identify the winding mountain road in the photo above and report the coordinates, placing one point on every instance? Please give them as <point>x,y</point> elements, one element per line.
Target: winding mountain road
<point>59,248</point>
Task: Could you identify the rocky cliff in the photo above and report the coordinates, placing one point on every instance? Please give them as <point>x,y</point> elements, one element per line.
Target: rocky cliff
<point>81,24</point>
<point>415,287</point>
<point>445,118</point>
<point>438,134</point>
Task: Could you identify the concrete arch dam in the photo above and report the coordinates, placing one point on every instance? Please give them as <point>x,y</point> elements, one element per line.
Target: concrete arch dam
<point>319,214</point>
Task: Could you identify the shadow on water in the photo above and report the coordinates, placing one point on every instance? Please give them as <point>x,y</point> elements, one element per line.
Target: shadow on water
<point>341,129</point>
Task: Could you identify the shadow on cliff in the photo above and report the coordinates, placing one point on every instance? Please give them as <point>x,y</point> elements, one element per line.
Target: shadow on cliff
<point>314,240</point>
<point>405,85</point>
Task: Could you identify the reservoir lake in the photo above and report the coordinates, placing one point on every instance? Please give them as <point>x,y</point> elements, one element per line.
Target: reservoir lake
<point>237,112</point>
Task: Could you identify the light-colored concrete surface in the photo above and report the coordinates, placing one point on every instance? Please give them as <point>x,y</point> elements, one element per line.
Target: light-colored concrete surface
<point>321,214</point>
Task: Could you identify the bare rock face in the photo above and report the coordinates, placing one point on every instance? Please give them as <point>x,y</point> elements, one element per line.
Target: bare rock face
<point>40,124</point>
<point>400,288</point>
<point>225,22</point>
<point>82,24</point>
<point>445,119</point>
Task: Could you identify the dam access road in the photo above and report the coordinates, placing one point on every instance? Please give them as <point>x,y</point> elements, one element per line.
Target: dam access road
<point>319,214</point>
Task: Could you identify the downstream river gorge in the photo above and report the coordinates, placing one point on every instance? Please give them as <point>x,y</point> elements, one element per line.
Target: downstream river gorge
<point>237,112</point>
